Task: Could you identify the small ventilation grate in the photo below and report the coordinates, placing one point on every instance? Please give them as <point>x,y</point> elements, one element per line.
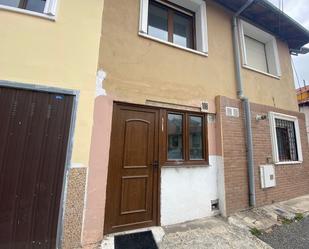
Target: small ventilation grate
<point>232,112</point>
<point>215,205</point>
<point>204,106</point>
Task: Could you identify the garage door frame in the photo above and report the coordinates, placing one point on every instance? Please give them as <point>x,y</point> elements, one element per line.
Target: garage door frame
<point>75,94</point>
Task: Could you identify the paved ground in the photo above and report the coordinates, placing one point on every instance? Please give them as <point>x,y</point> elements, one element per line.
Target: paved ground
<point>267,217</point>
<point>292,236</point>
<point>216,233</point>
<point>209,233</point>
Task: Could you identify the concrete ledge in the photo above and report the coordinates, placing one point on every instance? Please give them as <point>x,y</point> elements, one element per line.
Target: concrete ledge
<point>265,218</point>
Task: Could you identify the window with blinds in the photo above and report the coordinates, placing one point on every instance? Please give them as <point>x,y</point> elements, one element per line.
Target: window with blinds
<point>256,54</point>
<point>259,50</point>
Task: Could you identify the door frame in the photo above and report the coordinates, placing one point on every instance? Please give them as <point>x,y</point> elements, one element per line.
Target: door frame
<point>158,206</point>
<point>75,94</point>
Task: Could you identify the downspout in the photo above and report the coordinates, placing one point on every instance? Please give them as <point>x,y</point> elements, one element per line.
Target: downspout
<point>246,105</point>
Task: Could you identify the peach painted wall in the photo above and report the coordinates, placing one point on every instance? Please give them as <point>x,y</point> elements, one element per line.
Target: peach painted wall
<point>98,165</point>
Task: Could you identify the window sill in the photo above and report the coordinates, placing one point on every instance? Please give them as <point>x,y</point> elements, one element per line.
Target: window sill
<point>261,72</point>
<point>185,166</point>
<point>172,44</point>
<point>287,163</point>
<point>27,12</point>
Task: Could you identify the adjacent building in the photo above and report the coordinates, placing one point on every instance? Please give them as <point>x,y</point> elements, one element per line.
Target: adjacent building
<point>303,103</point>
<point>48,66</point>
<point>123,115</point>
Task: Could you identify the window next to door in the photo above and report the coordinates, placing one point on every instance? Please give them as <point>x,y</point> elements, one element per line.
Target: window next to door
<point>184,138</point>
<point>178,23</point>
<point>34,7</point>
<point>285,139</point>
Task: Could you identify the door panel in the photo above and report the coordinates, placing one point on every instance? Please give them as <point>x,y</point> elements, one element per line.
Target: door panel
<point>132,186</point>
<point>34,130</point>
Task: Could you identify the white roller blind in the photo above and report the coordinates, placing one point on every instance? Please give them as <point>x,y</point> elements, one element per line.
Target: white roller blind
<point>256,54</point>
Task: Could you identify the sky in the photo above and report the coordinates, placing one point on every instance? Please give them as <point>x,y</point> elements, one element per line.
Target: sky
<point>298,10</point>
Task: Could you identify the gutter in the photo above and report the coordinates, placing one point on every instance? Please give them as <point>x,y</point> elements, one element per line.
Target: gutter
<point>246,105</point>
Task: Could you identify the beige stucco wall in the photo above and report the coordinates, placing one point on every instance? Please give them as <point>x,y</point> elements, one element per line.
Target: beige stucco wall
<point>61,53</point>
<point>139,69</point>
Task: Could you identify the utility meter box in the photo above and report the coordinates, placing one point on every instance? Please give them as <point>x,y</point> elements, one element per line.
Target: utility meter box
<point>268,178</point>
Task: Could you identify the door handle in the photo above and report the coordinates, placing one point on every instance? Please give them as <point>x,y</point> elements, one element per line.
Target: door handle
<point>155,164</point>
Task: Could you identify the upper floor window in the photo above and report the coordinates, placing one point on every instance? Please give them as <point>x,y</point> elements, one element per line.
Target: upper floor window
<point>259,50</point>
<point>256,54</point>
<point>285,138</point>
<point>170,24</point>
<point>40,6</point>
<point>179,23</point>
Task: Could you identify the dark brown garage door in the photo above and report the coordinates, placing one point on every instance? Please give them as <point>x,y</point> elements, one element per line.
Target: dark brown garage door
<point>132,187</point>
<point>34,128</point>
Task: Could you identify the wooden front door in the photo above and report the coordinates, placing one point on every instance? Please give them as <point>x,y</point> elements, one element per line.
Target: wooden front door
<point>132,185</point>
<point>34,131</point>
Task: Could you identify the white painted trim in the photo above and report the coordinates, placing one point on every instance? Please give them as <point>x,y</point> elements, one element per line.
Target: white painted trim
<point>286,163</point>
<point>271,48</point>
<point>143,17</point>
<point>77,165</point>
<point>100,91</point>
<point>261,72</point>
<point>242,43</point>
<point>272,117</point>
<point>50,7</point>
<point>204,27</point>
<point>27,12</point>
<point>173,44</point>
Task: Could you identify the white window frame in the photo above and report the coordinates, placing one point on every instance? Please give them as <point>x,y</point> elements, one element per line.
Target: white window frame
<point>274,115</point>
<point>50,10</point>
<point>270,42</point>
<point>198,7</point>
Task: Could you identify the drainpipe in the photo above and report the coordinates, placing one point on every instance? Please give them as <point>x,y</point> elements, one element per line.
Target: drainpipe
<point>246,104</point>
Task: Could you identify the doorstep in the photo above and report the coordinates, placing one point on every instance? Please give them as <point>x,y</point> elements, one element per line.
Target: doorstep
<point>266,217</point>
<point>108,240</point>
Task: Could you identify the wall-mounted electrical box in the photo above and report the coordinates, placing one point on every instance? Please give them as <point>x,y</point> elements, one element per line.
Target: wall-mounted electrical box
<point>268,178</point>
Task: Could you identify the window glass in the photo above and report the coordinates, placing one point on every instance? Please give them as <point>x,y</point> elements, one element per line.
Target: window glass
<point>175,134</point>
<point>196,137</point>
<point>158,21</point>
<point>256,54</point>
<point>12,3</point>
<point>36,5</point>
<point>286,140</point>
<point>182,30</point>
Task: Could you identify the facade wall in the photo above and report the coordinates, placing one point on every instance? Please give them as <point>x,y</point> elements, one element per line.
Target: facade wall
<point>56,54</point>
<point>143,71</point>
<point>60,53</point>
<point>305,109</point>
<point>292,180</point>
<point>186,193</point>
<point>139,69</point>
